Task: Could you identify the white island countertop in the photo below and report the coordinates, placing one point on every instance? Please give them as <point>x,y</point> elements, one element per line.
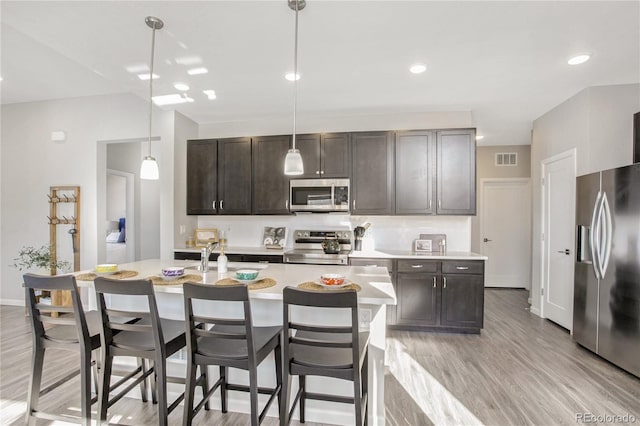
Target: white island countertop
<point>376,288</point>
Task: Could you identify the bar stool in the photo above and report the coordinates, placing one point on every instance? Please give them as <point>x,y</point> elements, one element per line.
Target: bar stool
<point>330,351</point>
<point>147,337</point>
<point>228,343</point>
<point>78,334</point>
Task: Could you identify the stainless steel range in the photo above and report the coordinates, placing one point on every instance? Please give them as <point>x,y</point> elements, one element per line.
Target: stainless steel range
<point>307,247</point>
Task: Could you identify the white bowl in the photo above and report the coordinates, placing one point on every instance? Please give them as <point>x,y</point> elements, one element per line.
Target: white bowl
<point>172,272</point>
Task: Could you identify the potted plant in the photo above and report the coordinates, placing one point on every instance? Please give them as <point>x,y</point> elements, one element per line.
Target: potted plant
<point>39,258</point>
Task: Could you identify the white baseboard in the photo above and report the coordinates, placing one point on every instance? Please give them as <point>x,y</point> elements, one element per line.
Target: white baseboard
<point>12,302</point>
<point>535,311</point>
<point>529,300</point>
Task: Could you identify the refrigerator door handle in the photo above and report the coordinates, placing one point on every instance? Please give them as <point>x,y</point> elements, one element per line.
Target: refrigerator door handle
<point>607,235</point>
<point>593,236</point>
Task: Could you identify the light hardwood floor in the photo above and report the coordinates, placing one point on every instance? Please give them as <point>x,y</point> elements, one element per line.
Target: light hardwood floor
<point>520,370</point>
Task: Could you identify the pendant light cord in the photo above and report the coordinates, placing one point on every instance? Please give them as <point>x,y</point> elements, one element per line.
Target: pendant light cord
<point>153,46</point>
<point>295,76</point>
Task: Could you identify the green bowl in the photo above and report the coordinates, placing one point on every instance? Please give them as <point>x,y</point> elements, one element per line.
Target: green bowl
<point>246,274</point>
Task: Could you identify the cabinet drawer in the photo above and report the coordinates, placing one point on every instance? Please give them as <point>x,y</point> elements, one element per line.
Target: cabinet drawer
<point>381,263</point>
<point>463,267</point>
<point>406,265</point>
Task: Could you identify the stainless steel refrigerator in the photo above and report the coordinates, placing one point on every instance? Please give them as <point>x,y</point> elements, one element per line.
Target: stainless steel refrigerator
<point>606,311</point>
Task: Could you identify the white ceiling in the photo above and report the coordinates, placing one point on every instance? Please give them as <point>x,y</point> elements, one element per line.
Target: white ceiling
<point>506,62</point>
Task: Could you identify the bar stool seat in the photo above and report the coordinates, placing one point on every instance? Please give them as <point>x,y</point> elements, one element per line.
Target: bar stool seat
<point>173,333</point>
<point>323,357</point>
<point>236,349</point>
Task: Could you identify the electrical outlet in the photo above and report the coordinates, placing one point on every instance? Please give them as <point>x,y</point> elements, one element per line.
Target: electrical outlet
<point>365,318</point>
<point>183,229</point>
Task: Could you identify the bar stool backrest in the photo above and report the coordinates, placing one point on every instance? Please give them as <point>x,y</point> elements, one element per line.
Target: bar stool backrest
<point>116,320</point>
<point>321,299</point>
<point>228,328</point>
<point>33,282</point>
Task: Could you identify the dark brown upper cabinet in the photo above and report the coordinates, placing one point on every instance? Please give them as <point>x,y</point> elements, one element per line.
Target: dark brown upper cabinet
<point>270,184</point>
<point>324,155</point>
<point>202,177</point>
<point>456,172</point>
<point>234,176</point>
<point>372,176</point>
<point>415,172</point>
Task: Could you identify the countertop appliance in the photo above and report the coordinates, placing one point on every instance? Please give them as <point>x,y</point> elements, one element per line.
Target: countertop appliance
<point>307,247</point>
<point>606,311</point>
<point>319,195</point>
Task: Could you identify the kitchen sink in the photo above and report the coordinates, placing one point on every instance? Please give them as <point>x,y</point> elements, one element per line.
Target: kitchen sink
<point>211,268</point>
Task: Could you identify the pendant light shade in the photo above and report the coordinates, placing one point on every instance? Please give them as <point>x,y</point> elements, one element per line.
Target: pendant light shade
<point>149,168</point>
<point>293,161</point>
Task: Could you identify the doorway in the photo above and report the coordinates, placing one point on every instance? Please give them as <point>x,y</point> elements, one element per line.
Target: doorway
<point>120,247</point>
<point>505,231</point>
<point>558,223</point>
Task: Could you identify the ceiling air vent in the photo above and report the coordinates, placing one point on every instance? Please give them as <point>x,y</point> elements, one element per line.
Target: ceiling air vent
<point>506,158</point>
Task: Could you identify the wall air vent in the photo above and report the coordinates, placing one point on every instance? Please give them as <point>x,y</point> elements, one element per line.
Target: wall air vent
<point>506,158</point>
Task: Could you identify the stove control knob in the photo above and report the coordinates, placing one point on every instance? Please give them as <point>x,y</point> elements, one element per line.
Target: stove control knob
<point>306,234</point>
<point>298,234</point>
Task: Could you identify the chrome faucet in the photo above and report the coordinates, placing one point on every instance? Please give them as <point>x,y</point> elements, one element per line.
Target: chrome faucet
<point>204,255</point>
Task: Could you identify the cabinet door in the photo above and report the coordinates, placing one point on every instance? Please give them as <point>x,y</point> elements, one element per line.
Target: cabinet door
<point>234,176</point>
<point>462,301</point>
<point>309,147</point>
<point>415,172</point>
<point>270,184</point>
<point>335,157</point>
<point>456,177</point>
<point>202,176</point>
<point>372,173</point>
<point>418,299</point>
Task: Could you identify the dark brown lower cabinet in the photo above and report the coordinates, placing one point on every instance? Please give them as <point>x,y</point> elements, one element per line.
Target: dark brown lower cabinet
<point>439,295</point>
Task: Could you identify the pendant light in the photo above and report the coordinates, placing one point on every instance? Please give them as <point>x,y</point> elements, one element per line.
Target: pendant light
<point>293,161</point>
<point>149,167</point>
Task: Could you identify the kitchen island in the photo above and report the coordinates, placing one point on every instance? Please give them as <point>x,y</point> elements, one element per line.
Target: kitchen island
<point>376,292</point>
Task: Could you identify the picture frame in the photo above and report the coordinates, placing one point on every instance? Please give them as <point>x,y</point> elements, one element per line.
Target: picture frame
<point>422,246</point>
<point>202,236</point>
<point>274,236</point>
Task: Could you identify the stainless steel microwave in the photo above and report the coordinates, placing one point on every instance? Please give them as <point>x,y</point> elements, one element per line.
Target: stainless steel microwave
<point>319,195</point>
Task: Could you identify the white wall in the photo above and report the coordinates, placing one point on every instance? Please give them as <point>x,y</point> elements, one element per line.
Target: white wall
<point>116,197</point>
<point>31,163</point>
<point>185,129</point>
<point>598,122</point>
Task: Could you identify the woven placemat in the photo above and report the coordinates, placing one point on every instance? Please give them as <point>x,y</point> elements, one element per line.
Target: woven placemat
<point>256,285</point>
<point>310,285</point>
<point>120,275</point>
<point>158,280</point>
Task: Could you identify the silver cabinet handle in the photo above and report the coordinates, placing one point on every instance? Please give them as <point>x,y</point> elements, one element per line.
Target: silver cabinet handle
<point>434,282</point>
<point>317,172</point>
<point>462,268</point>
<point>321,172</point>
<point>221,201</point>
<point>417,266</point>
<point>439,204</point>
<point>565,251</point>
<point>429,208</point>
<point>286,204</point>
<point>354,203</point>
<point>213,204</point>
<point>444,282</point>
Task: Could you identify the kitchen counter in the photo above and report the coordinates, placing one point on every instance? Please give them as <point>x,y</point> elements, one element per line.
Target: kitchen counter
<point>260,250</point>
<point>409,254</point>
<point>266,308</point>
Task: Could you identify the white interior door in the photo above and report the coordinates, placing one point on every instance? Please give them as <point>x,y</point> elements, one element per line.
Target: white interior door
<point>559,221</point>
<point>505,228</point>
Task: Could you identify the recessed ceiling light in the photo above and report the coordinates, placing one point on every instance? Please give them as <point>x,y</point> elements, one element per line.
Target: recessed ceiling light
<point>479,137</point>
<point>289,76</point>
<point>181,86</point>
<point>145,76</point>
<point>211,94</point>
<point>172,99</point>
<point>197,71</point>
<point>137,68</point>
<point>189,60</point>
<point>418,68</point>
<point>0,78</point>
<point>579,59</point>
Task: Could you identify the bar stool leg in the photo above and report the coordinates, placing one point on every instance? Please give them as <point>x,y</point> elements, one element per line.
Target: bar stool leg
<point>278,360</point>
<point>223,388</point>
<point>154,383</point>
<point>34,385</point>
<point>189,391</point>
<point>284,407</point>
<point>160,367</point>
<point>204,372</point>
<point>143,385</point>
<point>365,386</point>
<point>302,383</point>
<point>253,391</point>
<point>105,382</point>
<point>357,394</point>
<point>85,386</point>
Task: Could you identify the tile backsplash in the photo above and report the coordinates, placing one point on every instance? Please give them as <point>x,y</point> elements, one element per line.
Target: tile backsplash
<point>386,232</point>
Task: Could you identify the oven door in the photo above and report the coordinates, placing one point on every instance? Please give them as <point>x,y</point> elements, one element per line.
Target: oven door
<point>319,195</point>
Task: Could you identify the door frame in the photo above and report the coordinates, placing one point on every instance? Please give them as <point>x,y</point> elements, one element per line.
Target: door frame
<point>524,183</point>
<point>130,225</point>
<point>571,154</point>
